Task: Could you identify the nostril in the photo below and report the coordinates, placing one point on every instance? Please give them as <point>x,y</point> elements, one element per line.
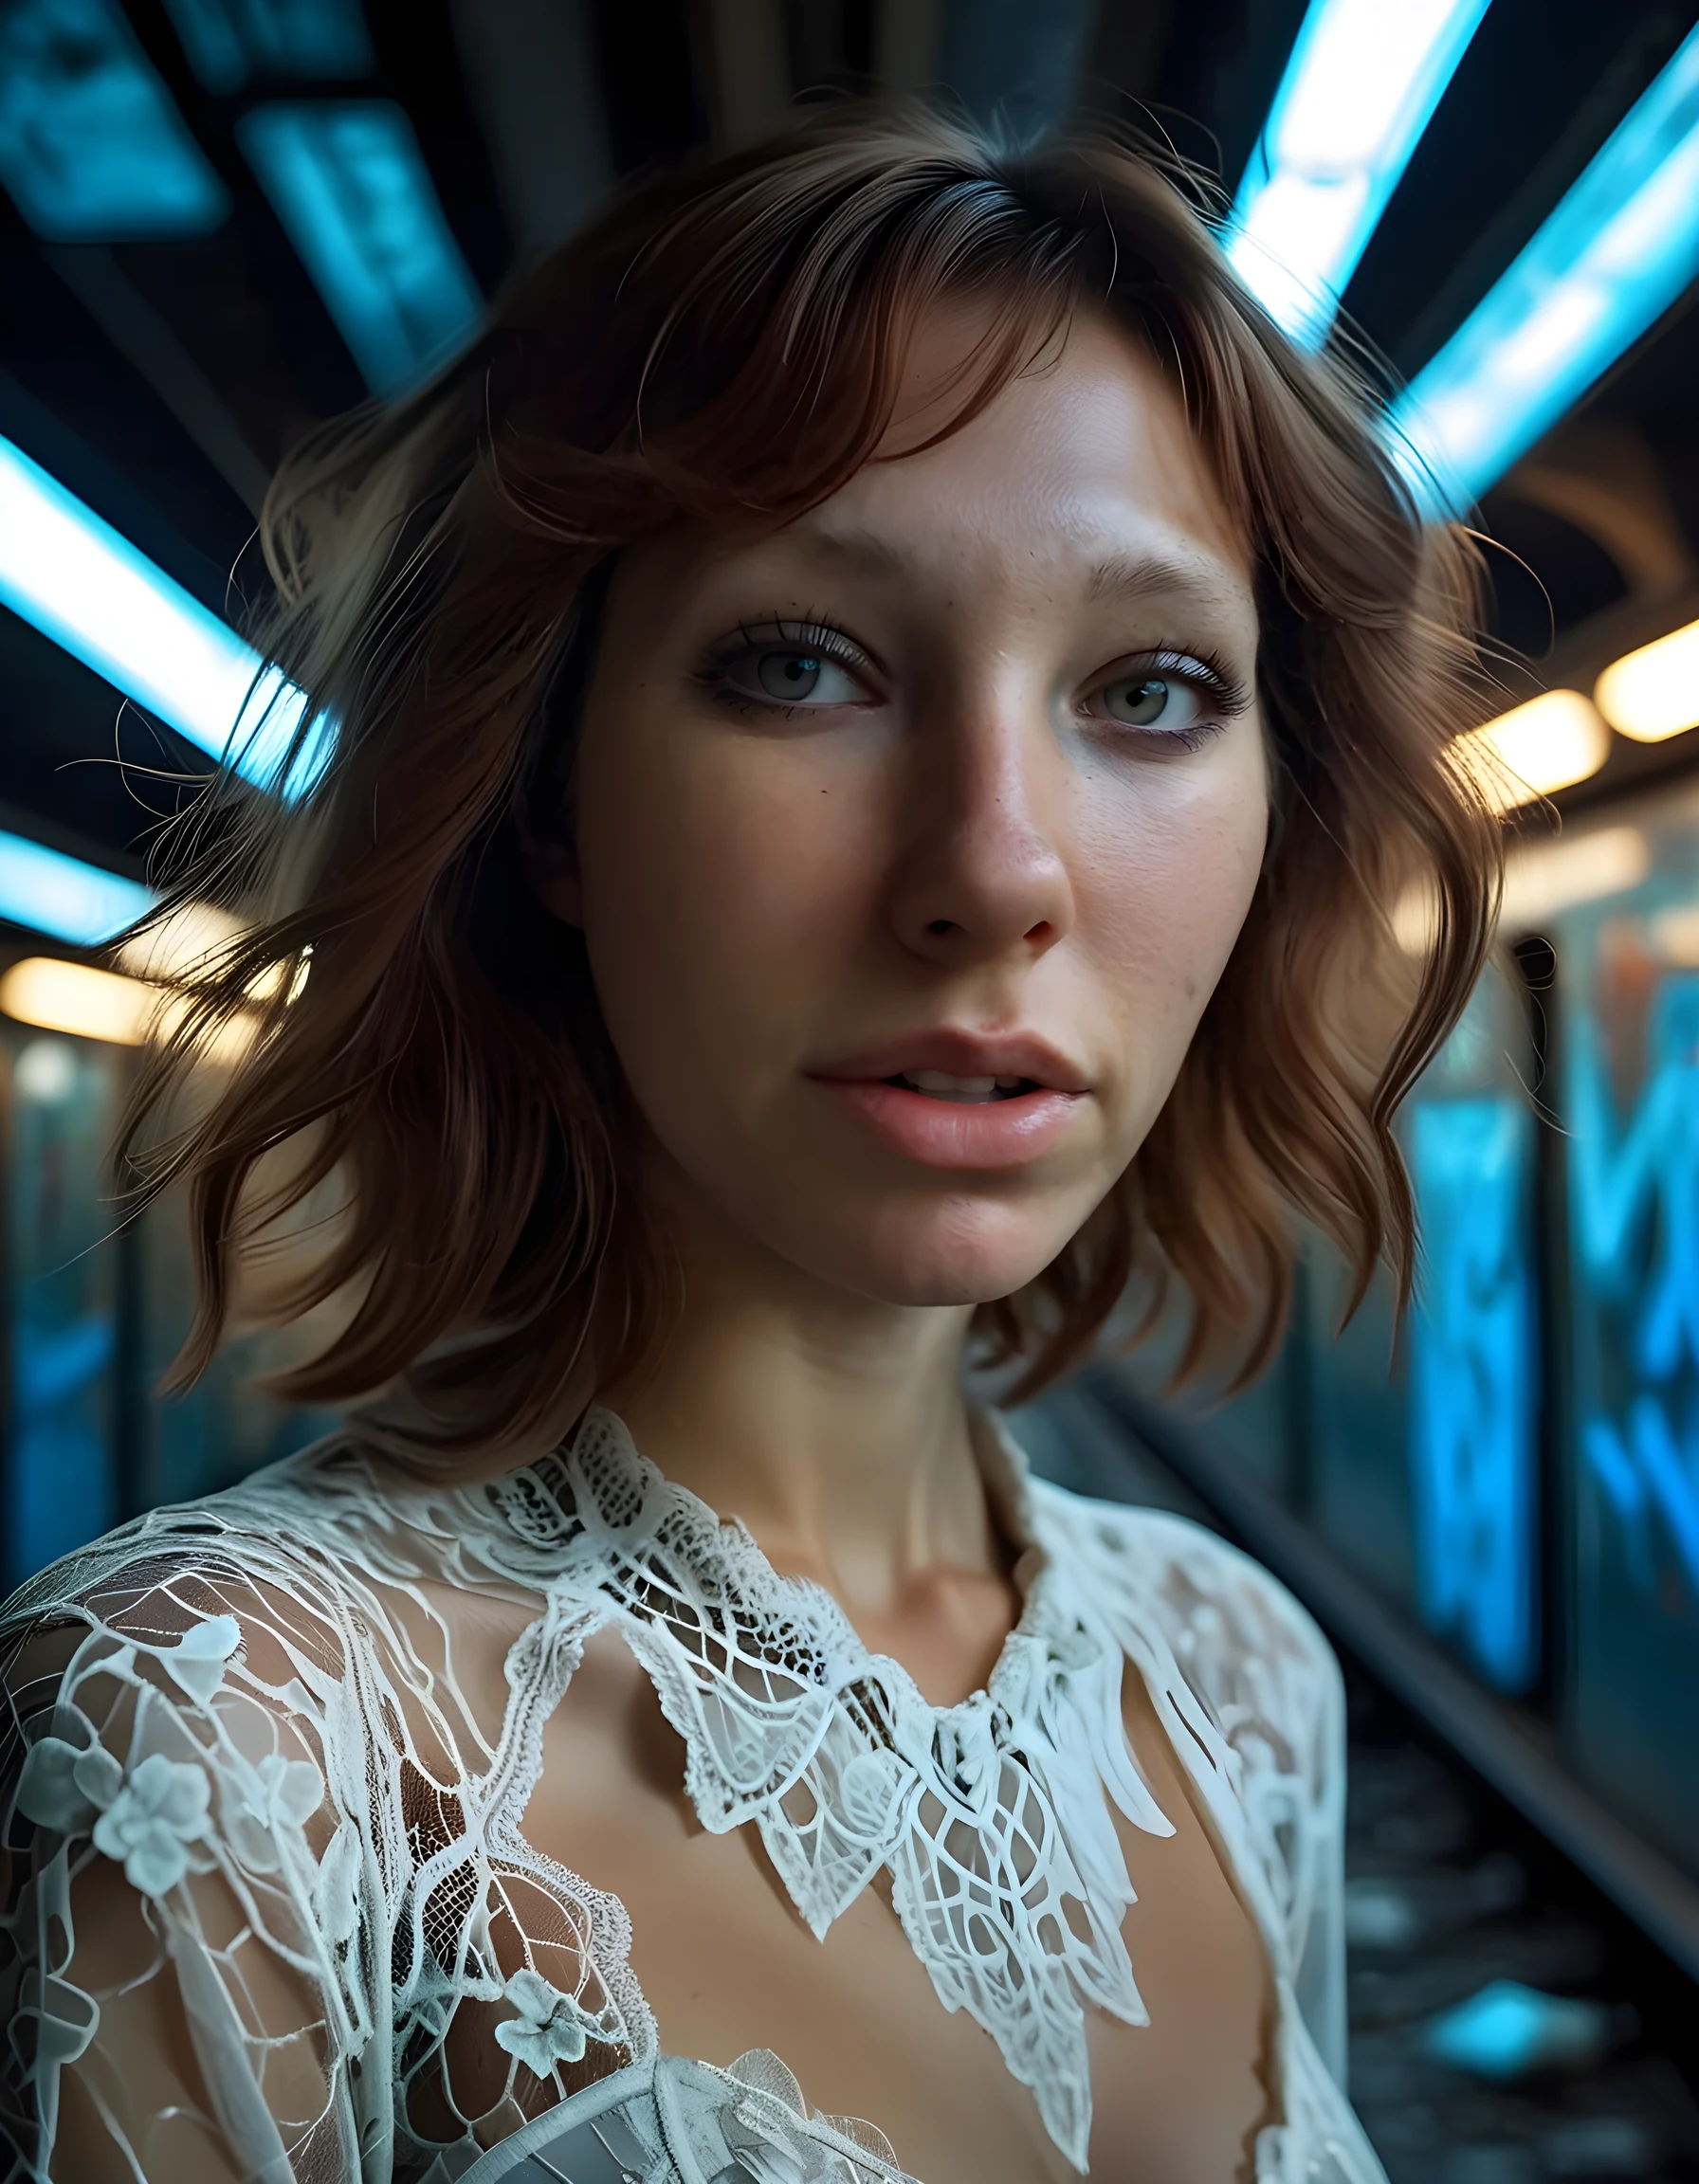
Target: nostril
<point>1043,932</point>
<point>940,926</point>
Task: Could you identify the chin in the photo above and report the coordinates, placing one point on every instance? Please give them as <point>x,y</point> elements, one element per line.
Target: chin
<point>963,1253</point>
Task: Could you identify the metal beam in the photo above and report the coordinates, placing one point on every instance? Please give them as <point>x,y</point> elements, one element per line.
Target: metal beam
<point>531,69</point>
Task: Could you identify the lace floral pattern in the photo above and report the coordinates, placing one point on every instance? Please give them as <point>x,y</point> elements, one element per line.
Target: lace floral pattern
<point>247,1707</point>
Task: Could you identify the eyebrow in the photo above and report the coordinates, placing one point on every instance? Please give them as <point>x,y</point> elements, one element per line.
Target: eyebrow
<point>1136,576</point>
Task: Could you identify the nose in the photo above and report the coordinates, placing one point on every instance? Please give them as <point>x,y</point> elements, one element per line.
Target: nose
<point>983,876</point>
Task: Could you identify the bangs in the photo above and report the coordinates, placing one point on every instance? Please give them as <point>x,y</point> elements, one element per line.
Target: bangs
<point>779,314</point>
<point>731,347</point>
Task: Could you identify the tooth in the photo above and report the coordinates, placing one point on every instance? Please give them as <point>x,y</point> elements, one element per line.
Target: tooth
<point>940,1080</point>
<point>1009,1083</point>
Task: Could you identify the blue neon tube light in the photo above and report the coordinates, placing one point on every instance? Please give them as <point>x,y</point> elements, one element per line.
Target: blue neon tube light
<point>227,40</point>
<point>91,149</point>
<point>348,183</point>
<point>63,896</point>
<point>1361,86</point>
<point>82,584</point>
<point>1605,266</point>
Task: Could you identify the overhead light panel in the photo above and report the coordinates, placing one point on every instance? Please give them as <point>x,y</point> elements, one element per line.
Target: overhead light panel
<point>1549,744</point>
<point>59,996</point>
<point>1361,86</point>
<point>1605,266</point>
<point>1543,877</point>
<point>228,41</point>
<point>54,995</point>
<point>91,149</point>
<point>82,584</point>
<point>348,183</point>
<point>1655,692</point>
<point>81,903</point>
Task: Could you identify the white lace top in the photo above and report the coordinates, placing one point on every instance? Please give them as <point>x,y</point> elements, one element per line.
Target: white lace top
<point>249,1704</point>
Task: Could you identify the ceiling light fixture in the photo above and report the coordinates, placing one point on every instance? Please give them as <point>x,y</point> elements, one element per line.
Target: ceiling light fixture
<point>350,185</point>
<point>1609,262</point>
<point>1549,744</point>
<point>92,150</point>
<point>1361,86</point>
<point>59,996</point>
<point>55,995</point>
<point>226,41</point>
<point>1543,877</point>
<point>1653,693</point>
<point>49,892</point>
<point>82,584</point>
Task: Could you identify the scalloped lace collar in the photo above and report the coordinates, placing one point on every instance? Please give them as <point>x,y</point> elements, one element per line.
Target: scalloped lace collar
<point>990,1816</point>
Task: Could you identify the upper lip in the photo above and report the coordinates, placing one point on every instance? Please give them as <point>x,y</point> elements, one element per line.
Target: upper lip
<point>961,1054</point>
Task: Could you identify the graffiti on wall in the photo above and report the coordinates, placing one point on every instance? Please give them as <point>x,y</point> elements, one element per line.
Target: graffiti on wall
<point>1635,1199</point>
<point>1472,1416</point>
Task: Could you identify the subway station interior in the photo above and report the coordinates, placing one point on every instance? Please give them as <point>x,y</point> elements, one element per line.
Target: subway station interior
<point>224,221</point>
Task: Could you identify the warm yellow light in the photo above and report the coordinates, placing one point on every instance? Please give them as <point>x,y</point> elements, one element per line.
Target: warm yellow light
<point>93,1004</point>
<point>184,948</point>
<point>181,946</point>
<point>72,997</point>
<point>1675,936</point>
<point>1546,877</point>
<point>1655,692</point>
<point>1548,743</point>
<point>1540,879</point>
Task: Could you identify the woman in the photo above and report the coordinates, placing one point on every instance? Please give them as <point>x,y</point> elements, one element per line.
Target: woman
<point>858,754</point>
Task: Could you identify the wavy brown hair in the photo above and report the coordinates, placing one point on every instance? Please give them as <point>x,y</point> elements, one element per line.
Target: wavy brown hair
<point>727,343</point>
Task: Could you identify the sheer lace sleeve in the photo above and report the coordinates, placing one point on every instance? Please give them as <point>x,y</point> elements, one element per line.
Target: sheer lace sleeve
<point>184,1889</point>
<point>267,1910</point>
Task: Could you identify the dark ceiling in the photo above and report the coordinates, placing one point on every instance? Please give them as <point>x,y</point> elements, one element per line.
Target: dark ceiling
<point>161,381</point>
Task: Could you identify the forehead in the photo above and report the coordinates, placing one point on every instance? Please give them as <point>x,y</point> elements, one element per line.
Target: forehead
<point>1084,471</point>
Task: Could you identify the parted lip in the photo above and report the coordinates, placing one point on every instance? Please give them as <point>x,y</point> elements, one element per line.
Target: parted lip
<point>961,1054</point>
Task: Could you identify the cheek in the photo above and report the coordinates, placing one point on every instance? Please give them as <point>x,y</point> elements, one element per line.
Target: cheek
<point>718,886</point>
<point>1163,888</point>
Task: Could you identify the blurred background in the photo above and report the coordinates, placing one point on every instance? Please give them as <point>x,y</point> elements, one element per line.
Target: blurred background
<point>222,221</point>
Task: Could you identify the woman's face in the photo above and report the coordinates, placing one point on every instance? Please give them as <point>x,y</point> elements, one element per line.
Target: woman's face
<point>913,837</point>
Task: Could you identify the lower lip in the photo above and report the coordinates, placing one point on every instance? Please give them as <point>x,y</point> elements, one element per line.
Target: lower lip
<point>958,1133</point>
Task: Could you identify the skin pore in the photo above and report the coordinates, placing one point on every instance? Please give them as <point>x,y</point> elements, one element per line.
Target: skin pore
<point>960,776</point>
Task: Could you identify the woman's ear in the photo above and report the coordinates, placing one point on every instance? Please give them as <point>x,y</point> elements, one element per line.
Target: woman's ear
<point>552,867</point>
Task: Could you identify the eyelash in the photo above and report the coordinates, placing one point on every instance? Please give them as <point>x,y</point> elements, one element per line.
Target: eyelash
<point>782,633</point>
<point>1204,671</point>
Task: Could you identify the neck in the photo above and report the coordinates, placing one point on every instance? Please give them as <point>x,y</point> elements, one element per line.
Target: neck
<point>832,1425</point>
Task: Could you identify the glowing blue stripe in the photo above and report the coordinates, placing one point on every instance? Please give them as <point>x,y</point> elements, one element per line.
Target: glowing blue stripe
<point>349,184</point>
<point>82,584</point>
<point>61,896</point>
<point>1505,2030</point>
<point>1635,1248</point>
<point>91,146</point>
<point>1472,1386</point>
<point>1361,86</point>
<point>226,40</point>
<point>1611,260</point>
